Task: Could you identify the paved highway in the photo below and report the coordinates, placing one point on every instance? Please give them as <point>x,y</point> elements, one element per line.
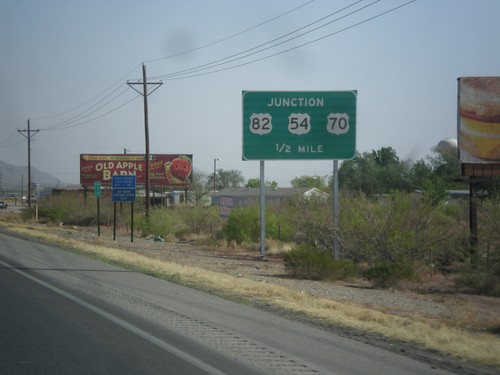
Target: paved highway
<point>62,313</point>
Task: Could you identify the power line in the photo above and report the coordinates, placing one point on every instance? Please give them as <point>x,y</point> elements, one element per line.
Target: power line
<point>229,58</point>
<point>7,141</point>
<point>77,119</point>
<point>180,77</point>
<point>119,82</point>
<point>208,68</point>
<point>65,124</point>
<point>95,118</point>
<point>232,35</point>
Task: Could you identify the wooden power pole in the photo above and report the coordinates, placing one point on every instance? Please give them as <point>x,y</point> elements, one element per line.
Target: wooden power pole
<point>28,134</point>
<point>145,94</point>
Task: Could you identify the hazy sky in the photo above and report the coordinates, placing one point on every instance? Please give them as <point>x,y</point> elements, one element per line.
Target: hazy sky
<point>65,66</point>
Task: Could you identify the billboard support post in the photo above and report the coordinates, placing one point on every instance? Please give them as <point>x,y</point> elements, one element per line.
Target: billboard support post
<point>132,222</point>
<point>114,221</point>
<point>473,222</point>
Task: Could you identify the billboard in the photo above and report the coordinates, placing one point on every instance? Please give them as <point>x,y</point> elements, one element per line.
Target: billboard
<point>479,120</point>
<point>164,170</point>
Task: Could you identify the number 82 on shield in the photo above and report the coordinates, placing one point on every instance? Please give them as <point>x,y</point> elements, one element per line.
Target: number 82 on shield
<point>261,123</point>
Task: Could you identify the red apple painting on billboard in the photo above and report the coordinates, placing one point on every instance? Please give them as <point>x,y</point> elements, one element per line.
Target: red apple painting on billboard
<point>179,170</point>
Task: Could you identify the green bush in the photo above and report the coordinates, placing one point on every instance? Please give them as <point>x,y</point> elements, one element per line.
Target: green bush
<point>279,226</point>
<point>389,274</point>
<point>68,208</point>
<point>310,220</point>
<point>482,269</point>
<point>243,224</point>
<point>27,213</point>
<point>482,280</point>
<point>179,221</point>
<point>401,228</point>
<point>307,262</point>
<point>161,222</point>
<point>198,219</point>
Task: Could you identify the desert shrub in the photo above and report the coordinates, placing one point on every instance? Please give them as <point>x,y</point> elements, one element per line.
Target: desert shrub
<point>27,213</point>
<point>243,224</point>
<point>197,219</point>
<point>389,274</point>
<point>70,208</point>
<point>278,226</point>
<point>161,222</point>
<point>482,270</point>
<point>447,235</point>
<point>401,228</point>
<point>483,279</point>
<point>310,220</point>
<point>311,263</point>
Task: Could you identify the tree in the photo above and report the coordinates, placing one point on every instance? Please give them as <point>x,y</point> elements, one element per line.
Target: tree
<point>445,165</point>
<point>420,174</point>
<point>255,183</point>
<point>224,179</point>
<point>391,172</point>
<point>358,174</point>
<point>385,157</point>
<point>318,182</point>
<point>198,189</point>
<point>375,172</point>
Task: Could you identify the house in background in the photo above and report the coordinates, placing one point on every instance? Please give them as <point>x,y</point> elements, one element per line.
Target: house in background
<point>244,196</point>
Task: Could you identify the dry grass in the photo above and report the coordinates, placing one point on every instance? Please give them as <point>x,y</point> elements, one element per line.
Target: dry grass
<point>277,247</point>
<point>476,347</point>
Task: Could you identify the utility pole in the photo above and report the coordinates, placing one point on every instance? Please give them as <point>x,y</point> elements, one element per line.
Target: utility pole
<point>145,94</point>
<point>28,136</point>
<point>215,172</point>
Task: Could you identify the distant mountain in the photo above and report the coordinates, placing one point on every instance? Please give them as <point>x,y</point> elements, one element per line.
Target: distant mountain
<point>11,177</point>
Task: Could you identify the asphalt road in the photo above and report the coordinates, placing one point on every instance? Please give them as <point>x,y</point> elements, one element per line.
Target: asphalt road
<point>62,313</point>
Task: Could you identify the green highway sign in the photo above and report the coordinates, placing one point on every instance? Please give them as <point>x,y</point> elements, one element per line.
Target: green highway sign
<point>292,125</point>
<point>97,189</point>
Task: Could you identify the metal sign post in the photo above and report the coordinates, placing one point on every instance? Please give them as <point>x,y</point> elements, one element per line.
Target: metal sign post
<point>336,208</point>
<point>123,190</point>
<point>262,212</point>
